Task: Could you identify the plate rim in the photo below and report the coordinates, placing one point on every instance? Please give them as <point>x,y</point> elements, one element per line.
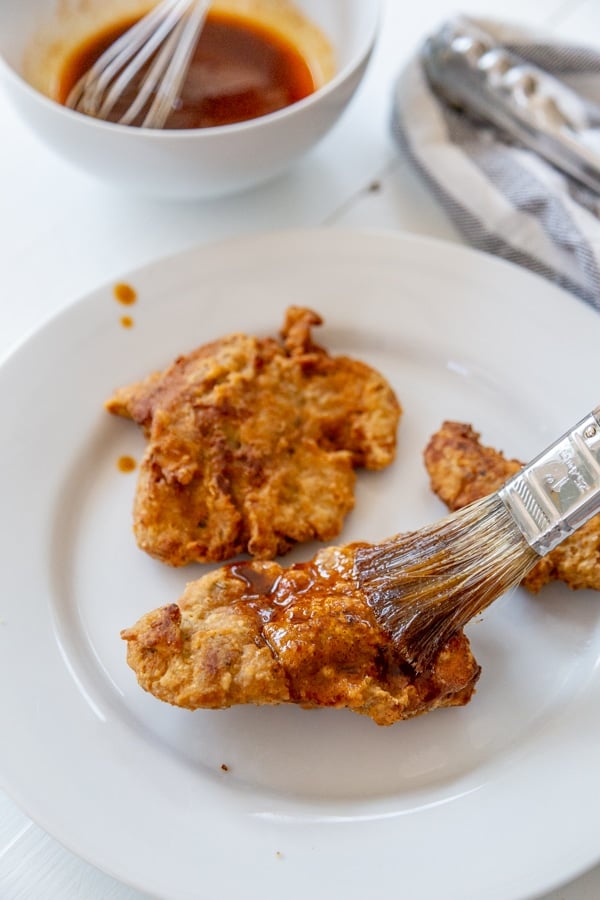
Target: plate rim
<point>295,235</point>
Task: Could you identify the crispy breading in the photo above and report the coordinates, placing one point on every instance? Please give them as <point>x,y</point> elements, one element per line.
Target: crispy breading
<point>253,443</point>
<point>462,470</point>
<point>255,632</point>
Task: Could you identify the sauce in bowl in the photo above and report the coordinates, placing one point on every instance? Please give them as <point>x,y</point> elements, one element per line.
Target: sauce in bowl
<point>241,69</point>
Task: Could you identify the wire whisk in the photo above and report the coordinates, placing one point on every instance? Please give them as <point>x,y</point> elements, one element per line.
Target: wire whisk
<point>166,39</point>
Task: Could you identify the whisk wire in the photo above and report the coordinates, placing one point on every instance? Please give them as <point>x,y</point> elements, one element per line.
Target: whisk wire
<point>115,57</point>
<point>169,33</point>
<point>152,77</point>
<point>146,44</point>
<point>169,87</point>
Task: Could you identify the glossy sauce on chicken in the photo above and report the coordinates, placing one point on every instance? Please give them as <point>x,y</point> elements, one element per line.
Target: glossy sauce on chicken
<point>260,633</point>
<point>309,617</point>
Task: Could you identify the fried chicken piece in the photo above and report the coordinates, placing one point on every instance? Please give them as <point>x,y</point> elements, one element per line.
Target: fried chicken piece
<point>255,632</point>
<point>252,444</point>
<point>462,470</point>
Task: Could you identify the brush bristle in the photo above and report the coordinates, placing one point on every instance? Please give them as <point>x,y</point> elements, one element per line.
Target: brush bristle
<point>424,586</point>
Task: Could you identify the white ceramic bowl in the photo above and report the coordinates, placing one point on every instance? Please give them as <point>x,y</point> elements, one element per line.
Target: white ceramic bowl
<point>183,163</point>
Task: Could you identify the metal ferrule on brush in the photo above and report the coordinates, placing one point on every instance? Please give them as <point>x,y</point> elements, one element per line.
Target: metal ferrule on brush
<point>558,491</point>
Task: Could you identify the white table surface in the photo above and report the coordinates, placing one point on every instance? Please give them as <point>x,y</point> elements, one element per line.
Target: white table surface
<point>62,234</point>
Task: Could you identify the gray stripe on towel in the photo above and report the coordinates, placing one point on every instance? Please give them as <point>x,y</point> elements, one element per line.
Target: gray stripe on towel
<point>471,228</point>
<point>560,60</point>
<point>525,193</point>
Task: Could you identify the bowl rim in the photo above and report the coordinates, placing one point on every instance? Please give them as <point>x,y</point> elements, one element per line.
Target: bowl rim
<point>360,58</point>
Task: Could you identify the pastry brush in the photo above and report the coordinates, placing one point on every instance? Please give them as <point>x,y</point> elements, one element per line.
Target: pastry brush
<point>425,585</point>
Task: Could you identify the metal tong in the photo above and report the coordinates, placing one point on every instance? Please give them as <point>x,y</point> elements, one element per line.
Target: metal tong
<point>468,68</point>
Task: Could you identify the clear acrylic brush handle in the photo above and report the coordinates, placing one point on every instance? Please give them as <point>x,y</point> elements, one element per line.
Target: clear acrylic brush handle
<point>559,490</point>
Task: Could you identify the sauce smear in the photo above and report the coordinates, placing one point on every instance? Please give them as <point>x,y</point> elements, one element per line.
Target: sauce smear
<point>241,69</point>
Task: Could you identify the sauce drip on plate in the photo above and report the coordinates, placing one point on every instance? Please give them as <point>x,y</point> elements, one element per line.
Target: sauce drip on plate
<point>241,69</point>
<point>124,293</point>
<point>126,464</point>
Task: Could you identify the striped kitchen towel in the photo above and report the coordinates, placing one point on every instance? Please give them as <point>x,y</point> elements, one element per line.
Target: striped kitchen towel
<point>503,198</point>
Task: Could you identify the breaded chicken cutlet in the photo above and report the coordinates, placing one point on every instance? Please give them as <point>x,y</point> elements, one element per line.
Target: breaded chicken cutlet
<point>253,443</point>
<point>462,469</point>
<point>257,633</point>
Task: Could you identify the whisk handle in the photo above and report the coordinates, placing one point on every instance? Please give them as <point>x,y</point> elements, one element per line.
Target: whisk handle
<point>558,491</point>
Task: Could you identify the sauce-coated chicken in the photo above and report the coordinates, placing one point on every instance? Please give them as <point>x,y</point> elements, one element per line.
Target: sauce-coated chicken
<point>255,632</point>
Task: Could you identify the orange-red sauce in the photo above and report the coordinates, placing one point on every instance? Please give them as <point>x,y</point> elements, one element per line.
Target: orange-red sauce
<point>126,464</point>
<point>124,293</point>
<point>126,321</point>
<point>241,69</point>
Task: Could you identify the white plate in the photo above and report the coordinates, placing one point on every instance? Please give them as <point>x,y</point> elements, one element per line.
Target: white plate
<point>497,800</point>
